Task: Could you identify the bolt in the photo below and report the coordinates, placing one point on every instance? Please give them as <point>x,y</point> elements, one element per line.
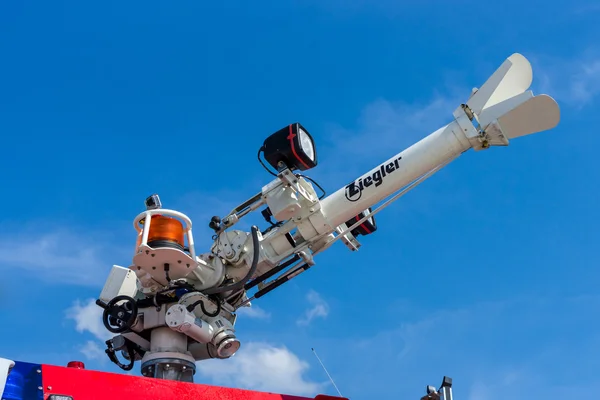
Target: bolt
<point>49,388</point>
<point>153,254</point>
<point>39,371</point>
<point>40,388</point>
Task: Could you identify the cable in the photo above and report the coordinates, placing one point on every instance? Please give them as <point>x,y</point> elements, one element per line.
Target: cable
<point>191,307</point>
<point>110,352</point>
<point>216,238</point>
<point>167,273</point>
<point>263,164</point>
<point>156,300</point>
<point>239,285</point>
<point>274,174</point>
<point>315,183</point>
<point>273,226</point>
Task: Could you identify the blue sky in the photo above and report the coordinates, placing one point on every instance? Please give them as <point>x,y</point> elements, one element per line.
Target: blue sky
<point>487,272</point>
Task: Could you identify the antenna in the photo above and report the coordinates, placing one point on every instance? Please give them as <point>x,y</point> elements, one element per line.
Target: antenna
<point>325,369</point>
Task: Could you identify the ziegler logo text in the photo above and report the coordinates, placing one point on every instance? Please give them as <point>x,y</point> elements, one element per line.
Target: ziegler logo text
<point>355,189</point>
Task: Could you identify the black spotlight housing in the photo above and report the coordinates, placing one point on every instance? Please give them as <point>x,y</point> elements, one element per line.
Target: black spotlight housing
<point>293,146</point>
<point>153,202</point>
<point>367,227</point>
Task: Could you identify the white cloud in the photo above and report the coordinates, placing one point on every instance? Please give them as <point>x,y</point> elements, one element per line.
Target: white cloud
<point>92,351</point>
<point>497,385</point>
<point>262,367</point>
<point>88,318</point>
<point>60,256</point>
<point>591,8</point>
<point>395,125</point>
<point>397,122</point>
<point>319,308</point>
<point>254,312</point>
<point>493,350</point>
<point>585,81</point>
<point>574,81</point>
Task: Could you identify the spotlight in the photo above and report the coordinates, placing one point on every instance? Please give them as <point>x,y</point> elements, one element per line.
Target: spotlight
<point>153,202</point>
<point>292,146</point>
<point>367,227</point>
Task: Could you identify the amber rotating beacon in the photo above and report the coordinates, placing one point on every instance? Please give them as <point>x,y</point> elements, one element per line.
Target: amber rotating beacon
<point>161,252</point>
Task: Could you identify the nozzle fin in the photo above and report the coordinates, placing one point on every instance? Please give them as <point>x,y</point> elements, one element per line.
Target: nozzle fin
<point>512,78</point>
<point>537,114</point>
